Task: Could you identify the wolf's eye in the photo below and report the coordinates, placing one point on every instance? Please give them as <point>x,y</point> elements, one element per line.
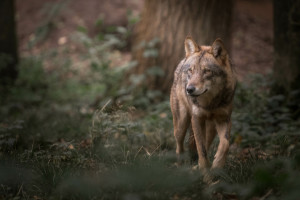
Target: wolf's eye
<point>189,73</point>
<point>206,71</point>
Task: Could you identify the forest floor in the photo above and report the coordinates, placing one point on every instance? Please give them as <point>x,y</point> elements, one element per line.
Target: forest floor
<point>70,130</point>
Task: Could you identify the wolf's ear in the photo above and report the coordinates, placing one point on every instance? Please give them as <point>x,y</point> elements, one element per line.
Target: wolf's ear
<point>190,46</point>
<point>218,50</point>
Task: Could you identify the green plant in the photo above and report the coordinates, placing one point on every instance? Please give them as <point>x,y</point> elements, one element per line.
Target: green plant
<point>51,12</point>
<point>258,112</point>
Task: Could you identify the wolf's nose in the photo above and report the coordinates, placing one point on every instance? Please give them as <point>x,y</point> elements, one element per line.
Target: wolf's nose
<point>190,89</point>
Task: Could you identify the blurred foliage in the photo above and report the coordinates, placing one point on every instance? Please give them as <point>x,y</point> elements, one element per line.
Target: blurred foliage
<point>269,179</point>
<point>50,11</point>
<point>80,131</point>
<point>259,112</point>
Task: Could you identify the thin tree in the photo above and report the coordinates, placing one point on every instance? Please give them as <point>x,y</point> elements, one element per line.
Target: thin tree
<point>8,43</point>
<point>287,45</point>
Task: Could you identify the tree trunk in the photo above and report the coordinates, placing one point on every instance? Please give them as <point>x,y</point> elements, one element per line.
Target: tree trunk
<point>171,21</point>
<point>287,45</point>
<point>8,43</point>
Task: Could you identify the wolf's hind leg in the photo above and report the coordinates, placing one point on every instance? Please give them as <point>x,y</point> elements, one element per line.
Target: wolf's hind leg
<point>181,122</point>
<point>192,147</point>
<point>210,133</point>
<point>223,129</point>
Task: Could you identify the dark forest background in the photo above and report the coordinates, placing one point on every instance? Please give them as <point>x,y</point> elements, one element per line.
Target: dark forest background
<point>84,109</point>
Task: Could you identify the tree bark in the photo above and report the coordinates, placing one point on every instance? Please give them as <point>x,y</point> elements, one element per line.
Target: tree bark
<point>287,45</point>
<point>171,21</point>
<point>8,43</point>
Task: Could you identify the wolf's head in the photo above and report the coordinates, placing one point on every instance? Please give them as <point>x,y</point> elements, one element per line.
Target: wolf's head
<point>206,68</point>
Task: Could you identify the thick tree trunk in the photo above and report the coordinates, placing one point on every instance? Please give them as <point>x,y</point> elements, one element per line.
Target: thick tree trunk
<point>8,43</point>
<point>171,21</point>
<point>287,44</point>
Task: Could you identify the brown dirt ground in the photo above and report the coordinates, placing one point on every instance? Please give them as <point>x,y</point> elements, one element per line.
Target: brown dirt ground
<point>252,36</point>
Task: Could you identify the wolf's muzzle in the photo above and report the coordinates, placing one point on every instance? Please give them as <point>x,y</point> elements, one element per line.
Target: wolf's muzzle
<point>190,89</point>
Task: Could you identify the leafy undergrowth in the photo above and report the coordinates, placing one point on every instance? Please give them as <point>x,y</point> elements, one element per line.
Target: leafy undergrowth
<point>68,133</point>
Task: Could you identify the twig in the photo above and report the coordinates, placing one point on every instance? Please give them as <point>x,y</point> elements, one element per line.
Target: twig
<point>267,194</point>
<point>21,188</point>
<point>105,105</point>
<point>138,152</point>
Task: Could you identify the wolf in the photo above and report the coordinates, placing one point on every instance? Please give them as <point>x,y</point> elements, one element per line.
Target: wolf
<point>202,97</point>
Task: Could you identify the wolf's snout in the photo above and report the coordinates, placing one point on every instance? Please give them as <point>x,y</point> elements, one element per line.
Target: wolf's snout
<point>190,89</point>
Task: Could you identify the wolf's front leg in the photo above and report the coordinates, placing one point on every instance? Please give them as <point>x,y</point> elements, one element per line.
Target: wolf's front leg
<point>223,128</point>
<point>198,126</point>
